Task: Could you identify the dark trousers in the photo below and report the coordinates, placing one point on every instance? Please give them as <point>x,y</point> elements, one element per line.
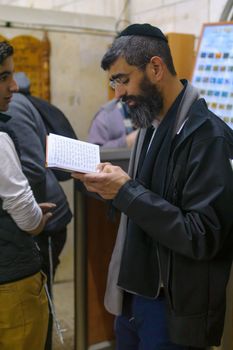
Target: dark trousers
<point>146,327</point>
<point>58,240</point>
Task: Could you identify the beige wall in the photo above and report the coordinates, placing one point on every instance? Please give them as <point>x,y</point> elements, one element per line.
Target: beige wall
<point>78,85</point>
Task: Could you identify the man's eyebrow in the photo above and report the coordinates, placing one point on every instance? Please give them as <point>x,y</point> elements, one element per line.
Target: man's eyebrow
<point>117,76</point>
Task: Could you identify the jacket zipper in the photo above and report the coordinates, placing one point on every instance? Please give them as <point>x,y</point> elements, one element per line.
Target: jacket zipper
<point>160,275</point>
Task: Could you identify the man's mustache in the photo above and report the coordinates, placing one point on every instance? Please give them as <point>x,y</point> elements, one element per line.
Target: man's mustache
<point>133,98</point>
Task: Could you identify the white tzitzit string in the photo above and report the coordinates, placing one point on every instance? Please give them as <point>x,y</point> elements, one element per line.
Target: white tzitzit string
<point>59,330</point>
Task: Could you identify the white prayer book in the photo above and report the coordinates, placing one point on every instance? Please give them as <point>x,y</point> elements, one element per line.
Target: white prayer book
<point>70,155</point>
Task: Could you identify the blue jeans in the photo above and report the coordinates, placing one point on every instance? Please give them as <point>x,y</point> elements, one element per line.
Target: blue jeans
<point>146,329</point>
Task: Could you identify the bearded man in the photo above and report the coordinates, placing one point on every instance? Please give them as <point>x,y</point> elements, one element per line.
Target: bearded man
<point>170,265</point>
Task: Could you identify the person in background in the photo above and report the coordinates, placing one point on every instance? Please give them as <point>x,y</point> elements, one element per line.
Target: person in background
<point>112,126</point>
<point>30,132</point>
<point>23,301</point>
<point>173,253</point>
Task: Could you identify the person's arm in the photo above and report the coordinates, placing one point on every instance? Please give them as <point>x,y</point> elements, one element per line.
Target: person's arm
<point>30,133</point>
<point>131,137</point>
<point>202,223</point>
<point>107,129</point>
<point>45,207</point>
<point>15,192</point>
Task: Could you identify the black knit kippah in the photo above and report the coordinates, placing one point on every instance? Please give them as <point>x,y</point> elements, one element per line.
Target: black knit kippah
<point>143,30</point>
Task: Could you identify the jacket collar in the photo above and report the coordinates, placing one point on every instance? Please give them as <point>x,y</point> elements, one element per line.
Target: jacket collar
<point>190,95</point>
<point>197,116</point>
<point>192,113</point>
<point>4,117</point>
<point>189,99</point>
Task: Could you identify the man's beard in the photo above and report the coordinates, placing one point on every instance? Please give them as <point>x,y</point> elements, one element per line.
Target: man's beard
<point>148,105</point>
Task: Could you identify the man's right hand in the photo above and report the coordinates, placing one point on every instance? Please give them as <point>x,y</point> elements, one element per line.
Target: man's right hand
<point>106,182</point>
<point>47,214</point>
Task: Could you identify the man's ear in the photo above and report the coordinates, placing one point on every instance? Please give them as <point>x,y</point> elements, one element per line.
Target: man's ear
<point>157,68</point>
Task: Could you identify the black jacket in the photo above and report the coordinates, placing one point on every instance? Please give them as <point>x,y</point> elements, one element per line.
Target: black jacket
<point>190,229</point>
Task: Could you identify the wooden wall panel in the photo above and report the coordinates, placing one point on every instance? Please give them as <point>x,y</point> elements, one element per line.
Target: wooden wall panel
<point>101,238</point>
<point>182,50</point>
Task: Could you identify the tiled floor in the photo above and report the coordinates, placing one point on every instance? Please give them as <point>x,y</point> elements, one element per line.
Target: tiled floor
<point>64,305</point>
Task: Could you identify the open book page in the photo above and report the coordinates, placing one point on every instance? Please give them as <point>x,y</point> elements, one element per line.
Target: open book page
<point>71,155</point>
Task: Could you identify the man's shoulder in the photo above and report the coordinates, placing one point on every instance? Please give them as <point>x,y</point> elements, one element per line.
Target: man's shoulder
<point>18,97</point>
<point>22,107</point>
<point>53,118</point>
<point>207,122</point>
<point>218,127</point>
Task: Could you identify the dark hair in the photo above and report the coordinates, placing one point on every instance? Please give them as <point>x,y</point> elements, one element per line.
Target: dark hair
<point>137,51</point>
<point>6,50</point>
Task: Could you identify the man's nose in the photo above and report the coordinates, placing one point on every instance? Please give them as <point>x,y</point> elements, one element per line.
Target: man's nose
<point>120,91</point>
<point>13,86</point>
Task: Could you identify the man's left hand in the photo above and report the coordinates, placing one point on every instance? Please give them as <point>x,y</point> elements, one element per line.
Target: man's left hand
<point>106,182</point>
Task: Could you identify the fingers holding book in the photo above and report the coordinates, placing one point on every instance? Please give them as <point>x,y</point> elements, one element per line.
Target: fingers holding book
<point>106,181</point>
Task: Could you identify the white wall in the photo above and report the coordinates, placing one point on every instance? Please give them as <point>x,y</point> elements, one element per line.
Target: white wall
<point>181,16</point>
<point>171,15</point>
<point>95,7</point>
